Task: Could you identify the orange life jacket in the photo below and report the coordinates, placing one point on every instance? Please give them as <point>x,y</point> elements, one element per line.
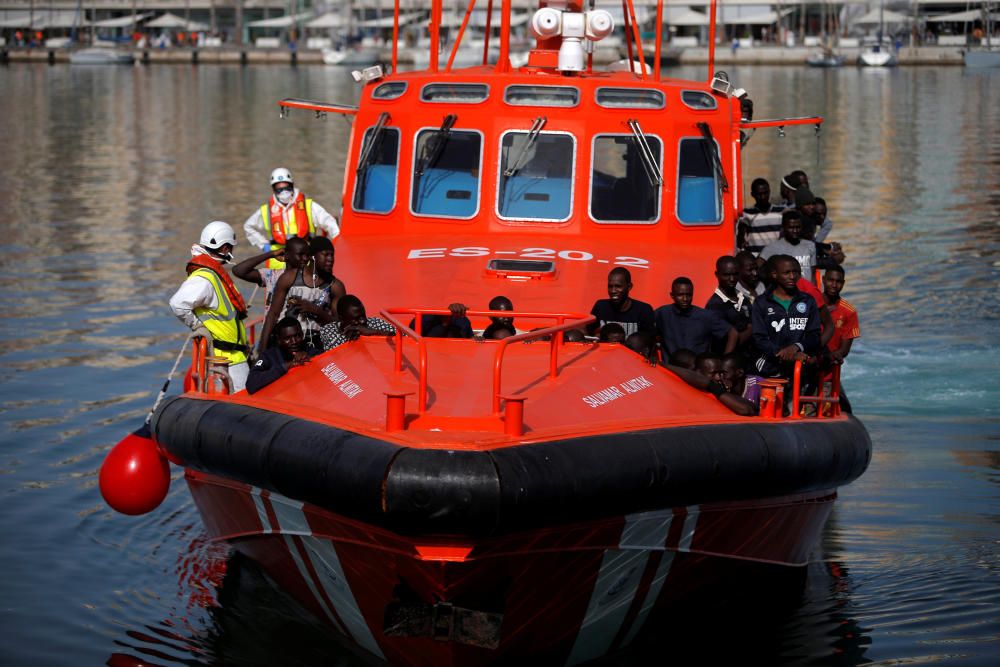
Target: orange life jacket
<point>206,262</point>
<point>274,219</point>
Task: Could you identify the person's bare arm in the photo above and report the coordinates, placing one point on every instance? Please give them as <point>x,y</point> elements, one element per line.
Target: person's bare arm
<point>247,269</point>
<point>827,321</point>
<point>277,305</point>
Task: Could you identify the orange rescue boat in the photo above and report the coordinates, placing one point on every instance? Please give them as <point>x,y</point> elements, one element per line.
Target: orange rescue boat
<point>459,501</point>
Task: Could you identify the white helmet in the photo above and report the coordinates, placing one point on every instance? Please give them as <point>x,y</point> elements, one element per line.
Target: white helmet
<point>217,234</point>
<point>281,175</point>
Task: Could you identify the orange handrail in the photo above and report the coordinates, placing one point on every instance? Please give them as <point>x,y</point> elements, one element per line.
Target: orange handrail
<point>819,400</point>
<point>564,322</point>
<point>402,329</point>
<point>554,344</point>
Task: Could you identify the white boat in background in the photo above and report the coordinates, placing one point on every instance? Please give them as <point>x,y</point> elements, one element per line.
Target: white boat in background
<point>101,55</point>
<point>825,59</point>
<point>361,57</point>
<point>988,55</point>
<point>877,56</point>
<point>469,55</point>
<point>982,58</point>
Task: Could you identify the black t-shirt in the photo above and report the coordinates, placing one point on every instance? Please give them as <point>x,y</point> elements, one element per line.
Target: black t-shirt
<point>738,319</point>
<point>639,316</point>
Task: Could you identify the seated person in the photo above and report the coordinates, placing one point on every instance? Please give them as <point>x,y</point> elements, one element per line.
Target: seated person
<point>702,380</point>
<point>573,336</point>
<point>353,323</point>
<point>612,332</point>
<point>297,255</point>
<point>454,325</point>
<point>709,364</point>
<point>785,321</point>
<point>290,351</point>
<point>643,343</point>
<point>682,358</point>
<point>735,377</point>
<point>633,315</point>
<point>684,325</point>
<point>499,303</point>
<point>498,331</point>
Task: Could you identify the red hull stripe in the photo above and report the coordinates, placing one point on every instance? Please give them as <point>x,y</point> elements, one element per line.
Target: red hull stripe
<point>318,562</point>
<point>618,584</point>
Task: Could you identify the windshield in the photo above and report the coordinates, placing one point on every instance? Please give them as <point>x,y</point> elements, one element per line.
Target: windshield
<point>446,173</point>
<point>535,176</point>
<point>699,198</point>
<point>621,189</point>
<point>375,188</point>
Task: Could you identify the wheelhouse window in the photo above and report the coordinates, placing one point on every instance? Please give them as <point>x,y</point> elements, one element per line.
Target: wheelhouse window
<point>378,164</point>
<point>446,173</point>
<point>699,199</point>
<point>621,187</point>
<point>541,96</point>
<point>630,98</point>
<point>536,176</point>
<point>389,91</point>
<point>455,93</point>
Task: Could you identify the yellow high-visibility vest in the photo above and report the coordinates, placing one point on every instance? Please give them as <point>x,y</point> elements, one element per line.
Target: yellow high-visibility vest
<point>222,322</point>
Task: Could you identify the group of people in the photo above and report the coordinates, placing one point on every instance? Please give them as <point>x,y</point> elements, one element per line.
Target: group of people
<point>295,268</point>
<point>764,315</point>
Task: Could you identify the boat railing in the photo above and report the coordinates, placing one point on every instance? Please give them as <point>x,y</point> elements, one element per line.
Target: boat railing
<point>563,322</point>
<point>820,400</point>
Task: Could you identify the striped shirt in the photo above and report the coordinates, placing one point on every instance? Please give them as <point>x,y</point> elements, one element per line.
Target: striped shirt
<point>761,228</point>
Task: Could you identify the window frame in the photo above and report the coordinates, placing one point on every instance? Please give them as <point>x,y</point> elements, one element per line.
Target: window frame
<point>357,181</point>
<point>413,174</point>
<point>590,181</point>
<point>572,180</point>
<point>663,98</point>
<point>405,84</point>
<point>579,95</point>
<point>715,102</point>
<point>720,200</point>
<point>423,92</point>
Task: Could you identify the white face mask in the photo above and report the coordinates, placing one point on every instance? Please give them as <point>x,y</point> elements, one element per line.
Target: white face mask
<point>285,196</point>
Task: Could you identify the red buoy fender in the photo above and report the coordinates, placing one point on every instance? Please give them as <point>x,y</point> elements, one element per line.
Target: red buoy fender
<point>134,477</point>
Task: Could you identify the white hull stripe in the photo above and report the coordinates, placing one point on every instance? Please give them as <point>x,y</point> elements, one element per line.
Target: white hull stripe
<point>618,583</point>
<point>687,533</point>
<point>325,563</point>
<point>258,502</point>
<point>304,573</point>
<point>652,595</point>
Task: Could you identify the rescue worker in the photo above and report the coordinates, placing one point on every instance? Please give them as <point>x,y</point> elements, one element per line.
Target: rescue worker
<point>210,305</point>
<point>286,214</point>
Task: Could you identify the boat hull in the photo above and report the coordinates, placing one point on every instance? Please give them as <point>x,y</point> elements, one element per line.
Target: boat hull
<point>101,56</point>
<point>877,59</point>
<point>551,550</point>
<point>982,58</point>
<point>559,594</point>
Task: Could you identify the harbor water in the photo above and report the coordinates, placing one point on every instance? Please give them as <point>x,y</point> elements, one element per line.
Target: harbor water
<point>108,176</point>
